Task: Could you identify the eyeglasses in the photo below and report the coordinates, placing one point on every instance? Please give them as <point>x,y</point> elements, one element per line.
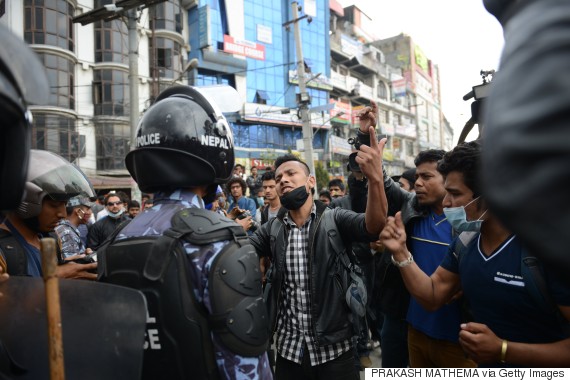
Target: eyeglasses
<point>114,203</point>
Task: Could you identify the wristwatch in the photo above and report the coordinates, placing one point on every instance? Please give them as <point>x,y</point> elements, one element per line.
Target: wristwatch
<point>404,263</point>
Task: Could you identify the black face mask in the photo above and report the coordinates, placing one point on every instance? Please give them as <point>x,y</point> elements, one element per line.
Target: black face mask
<point>294,199</point>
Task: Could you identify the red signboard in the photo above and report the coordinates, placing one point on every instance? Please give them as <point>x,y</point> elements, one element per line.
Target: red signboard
<point>242,47</point>
<point>262,164</point>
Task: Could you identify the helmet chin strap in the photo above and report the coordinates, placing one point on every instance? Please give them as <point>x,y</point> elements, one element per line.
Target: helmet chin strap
<point>32,223</point>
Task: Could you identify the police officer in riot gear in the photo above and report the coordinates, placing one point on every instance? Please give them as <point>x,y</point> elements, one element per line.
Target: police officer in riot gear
<point>18,89</point>
<point>51,181</point>
<point>202,321</point>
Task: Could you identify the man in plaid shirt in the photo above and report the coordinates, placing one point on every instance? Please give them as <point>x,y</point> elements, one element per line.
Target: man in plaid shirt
<point>306,303</point>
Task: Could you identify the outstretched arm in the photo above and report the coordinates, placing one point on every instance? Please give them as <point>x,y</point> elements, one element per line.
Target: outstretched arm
<point>431,292</point>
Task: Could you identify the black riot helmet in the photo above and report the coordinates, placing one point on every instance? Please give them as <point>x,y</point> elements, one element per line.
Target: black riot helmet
<point>23,81</point>
<point>53,176</point>
<point>183,140</point>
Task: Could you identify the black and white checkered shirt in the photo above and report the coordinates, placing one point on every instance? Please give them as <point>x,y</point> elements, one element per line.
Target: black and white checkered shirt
<point>294,323</point>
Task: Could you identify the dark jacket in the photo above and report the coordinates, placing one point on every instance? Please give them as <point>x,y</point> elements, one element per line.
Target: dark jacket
<point>265,214</point>
<point>329,310</point>
<point>526,149</point>
<point>390,291</point>
<point>102,229</point>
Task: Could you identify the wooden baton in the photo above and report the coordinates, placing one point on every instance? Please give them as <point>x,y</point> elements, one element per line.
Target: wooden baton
<point>53,310</point>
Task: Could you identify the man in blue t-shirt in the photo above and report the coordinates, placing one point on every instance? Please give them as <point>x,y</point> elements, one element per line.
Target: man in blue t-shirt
<point>508,327</point>
<point>432,336</point>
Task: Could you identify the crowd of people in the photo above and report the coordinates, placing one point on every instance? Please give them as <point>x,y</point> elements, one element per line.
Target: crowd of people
<point>264,275</point>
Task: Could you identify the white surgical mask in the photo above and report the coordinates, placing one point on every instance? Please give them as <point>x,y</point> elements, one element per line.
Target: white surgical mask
<point>457,217</point>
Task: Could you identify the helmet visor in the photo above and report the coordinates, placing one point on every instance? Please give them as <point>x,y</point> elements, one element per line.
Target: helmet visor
<point>64,182</point>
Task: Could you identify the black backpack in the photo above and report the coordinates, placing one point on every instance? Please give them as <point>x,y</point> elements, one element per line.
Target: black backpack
<point>178,344</point>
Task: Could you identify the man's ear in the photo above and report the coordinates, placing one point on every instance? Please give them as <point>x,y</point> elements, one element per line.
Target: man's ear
<point>312,181</point>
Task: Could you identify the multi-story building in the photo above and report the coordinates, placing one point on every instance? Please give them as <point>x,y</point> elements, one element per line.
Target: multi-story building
<point>406,90</point>
<point>248,44</point>
<point>420,90</point>
<point>249,47</point>
<point>87,119</point>
<point>360,75</point>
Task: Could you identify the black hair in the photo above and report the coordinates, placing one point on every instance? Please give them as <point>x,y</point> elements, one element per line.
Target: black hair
<point>268,176</point>
<point>124,197</point>
<point>337,182</point>
<point>133,203</point>
<point>236,180</point>
<point>109,195</point>
<point>430,155</point>
<point>325,193</point>
<point>290,157</point>
<point>465,158</point>
<point>410,175</point>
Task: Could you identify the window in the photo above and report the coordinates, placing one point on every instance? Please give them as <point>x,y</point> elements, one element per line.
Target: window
<point>207,78</point>
<point>48,22</point>
<point>383,115</point>
<point>112,140</point>
<point>168,58</point>
<point>410,148</point>
<point>382,92</point>
<point>57,134</point>
<point>167,16</point>
<point>60,73</point>
<point>261,97</point>
<point>397,119</point>
<point>111,42</point>
<point>111,92</point>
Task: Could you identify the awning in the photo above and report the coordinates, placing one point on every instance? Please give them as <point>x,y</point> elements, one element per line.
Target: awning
<point>109,182</point>
<point>336,7</point>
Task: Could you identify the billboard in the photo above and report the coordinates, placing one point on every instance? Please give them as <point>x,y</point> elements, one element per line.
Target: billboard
<point>243,47</point>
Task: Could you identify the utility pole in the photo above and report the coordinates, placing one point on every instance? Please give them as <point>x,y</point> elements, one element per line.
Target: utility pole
<point>133,74</point>
<point>303,99</point>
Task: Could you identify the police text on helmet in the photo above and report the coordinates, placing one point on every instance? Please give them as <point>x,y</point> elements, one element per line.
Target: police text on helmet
<point>150,139</point>
<point>214,141</point>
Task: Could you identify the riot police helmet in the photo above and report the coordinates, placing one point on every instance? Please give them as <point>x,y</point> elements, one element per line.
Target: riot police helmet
<point>23,81</point>
<point>182,140</point>
<point>50,175</point>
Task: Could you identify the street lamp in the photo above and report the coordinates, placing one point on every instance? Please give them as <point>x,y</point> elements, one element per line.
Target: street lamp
<point>191,65</point>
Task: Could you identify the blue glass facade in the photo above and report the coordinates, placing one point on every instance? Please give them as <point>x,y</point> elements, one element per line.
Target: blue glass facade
<point>267,79</point>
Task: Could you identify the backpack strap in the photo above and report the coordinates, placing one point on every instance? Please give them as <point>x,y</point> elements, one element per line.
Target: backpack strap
<point>13,252</point>
<point>196,225</point>
<point>101,257</point>
<point>532,272</point>
<point>461,242</point>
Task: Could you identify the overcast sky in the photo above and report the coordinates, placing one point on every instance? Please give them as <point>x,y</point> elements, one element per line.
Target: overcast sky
<point>458,35</point>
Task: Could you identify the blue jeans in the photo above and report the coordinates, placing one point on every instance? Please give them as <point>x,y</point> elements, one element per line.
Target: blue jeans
<point>394,342</point>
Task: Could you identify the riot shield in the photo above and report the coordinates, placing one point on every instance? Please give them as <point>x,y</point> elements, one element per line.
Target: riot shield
<point>103,329</point>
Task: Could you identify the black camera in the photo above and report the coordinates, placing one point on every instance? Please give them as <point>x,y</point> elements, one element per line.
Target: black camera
<point>87,259</point>
<point>254,224</point>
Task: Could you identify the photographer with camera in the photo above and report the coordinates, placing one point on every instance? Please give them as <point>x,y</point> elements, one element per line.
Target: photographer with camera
<point>242,209</point>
